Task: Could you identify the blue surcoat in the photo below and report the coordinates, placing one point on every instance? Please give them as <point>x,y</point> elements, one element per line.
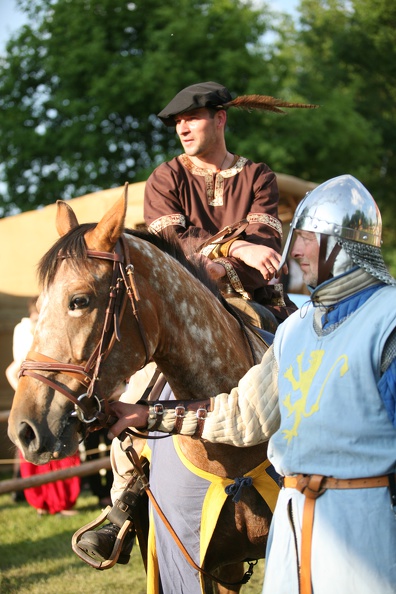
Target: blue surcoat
<point>334,423</point>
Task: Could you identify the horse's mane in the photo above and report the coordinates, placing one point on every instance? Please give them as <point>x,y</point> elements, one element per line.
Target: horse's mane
<point>72,245</point>
<point>172,246</point>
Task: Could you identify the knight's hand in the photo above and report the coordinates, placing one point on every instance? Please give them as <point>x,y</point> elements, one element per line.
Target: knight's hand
<point>128,415</point>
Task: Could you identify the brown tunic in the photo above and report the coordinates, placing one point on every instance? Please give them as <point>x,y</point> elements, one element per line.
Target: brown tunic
<point>197,203</point>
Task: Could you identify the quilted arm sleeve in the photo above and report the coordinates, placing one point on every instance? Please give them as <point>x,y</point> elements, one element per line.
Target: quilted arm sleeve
<point>248,415</point>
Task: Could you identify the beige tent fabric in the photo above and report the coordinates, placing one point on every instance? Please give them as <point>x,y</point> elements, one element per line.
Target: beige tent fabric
<point>27,236</point>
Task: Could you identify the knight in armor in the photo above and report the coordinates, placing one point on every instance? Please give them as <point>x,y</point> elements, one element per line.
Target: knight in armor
<point>324,396</point>
<point>203,193</point>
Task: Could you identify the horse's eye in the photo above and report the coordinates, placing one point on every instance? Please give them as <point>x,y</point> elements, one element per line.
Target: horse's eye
<point>78,303</point>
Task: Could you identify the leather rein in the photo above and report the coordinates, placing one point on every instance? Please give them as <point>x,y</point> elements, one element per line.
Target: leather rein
<point>90,406</point>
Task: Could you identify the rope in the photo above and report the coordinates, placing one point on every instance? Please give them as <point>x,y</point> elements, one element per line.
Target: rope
<point>236,487</point>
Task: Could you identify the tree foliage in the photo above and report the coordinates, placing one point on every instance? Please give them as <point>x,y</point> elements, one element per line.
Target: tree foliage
<point>349,63</point>
<point>81,83</point>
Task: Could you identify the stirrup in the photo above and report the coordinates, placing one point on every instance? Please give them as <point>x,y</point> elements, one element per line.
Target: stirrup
<point>112,560</point>
<point>121,514</point>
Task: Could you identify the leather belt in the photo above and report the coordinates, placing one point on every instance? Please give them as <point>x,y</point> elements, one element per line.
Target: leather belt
<point>313,486</point>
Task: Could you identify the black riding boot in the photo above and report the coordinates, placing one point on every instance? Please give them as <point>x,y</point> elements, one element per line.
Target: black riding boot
<point>99,544</point>
<point>132,506</point>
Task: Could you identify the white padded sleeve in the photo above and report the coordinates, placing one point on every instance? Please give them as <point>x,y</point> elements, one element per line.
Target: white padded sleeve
<point>248,415</point>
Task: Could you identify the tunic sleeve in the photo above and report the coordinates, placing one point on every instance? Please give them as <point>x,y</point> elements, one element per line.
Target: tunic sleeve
<point>250,413</point>
<point>165,208</point>
<point>176,201</point>
<point>264,227</point>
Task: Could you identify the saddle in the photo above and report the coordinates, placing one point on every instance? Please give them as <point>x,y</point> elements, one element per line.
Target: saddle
<point>253,314</point>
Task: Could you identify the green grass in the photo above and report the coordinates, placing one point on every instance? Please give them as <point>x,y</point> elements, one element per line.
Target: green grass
<point>36,555</point>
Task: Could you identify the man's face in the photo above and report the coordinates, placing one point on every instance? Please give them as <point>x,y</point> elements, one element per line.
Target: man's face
<point>306,252</point>
<point>198,131</point>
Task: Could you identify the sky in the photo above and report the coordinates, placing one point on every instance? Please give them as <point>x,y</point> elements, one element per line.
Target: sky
<point>12,19</point>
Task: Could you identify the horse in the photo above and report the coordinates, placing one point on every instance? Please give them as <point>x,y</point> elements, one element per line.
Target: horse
<point>179,321</point>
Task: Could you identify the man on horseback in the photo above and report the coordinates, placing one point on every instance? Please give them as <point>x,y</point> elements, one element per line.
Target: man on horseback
<point>325,397</point>
<point>195,196</point>
<point>208,188</point>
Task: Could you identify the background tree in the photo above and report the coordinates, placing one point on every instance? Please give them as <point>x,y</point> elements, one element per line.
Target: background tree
<point>81,84</point>
<point>341,54</point>
<point>347,63</point>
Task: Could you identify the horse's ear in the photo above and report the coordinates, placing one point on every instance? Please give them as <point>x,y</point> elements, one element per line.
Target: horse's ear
<point>66,220</point>
<point>107,232</point>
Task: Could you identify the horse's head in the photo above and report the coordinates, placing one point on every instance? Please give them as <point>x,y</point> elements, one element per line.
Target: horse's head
<point>79,288</point>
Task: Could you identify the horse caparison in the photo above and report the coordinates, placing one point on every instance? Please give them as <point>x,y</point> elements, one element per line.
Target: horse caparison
<point>198,345</point>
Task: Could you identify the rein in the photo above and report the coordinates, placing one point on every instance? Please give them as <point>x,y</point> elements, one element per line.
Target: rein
<point>89,405</point>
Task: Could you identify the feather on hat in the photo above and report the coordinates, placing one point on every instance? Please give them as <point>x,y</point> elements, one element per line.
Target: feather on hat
<point>216,96</point>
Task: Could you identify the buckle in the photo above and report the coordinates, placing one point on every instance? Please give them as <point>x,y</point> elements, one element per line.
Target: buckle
<point>180,411</point>
<point>158,409</point>
<point>202,413</point>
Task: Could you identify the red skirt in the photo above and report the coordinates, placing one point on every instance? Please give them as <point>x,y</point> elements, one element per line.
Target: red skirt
<point>52,497</point>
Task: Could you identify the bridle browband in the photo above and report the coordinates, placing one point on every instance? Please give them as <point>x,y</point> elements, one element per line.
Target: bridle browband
<point>90,406</point>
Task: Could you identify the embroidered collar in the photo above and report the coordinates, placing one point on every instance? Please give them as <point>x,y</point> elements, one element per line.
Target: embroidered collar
<point>237,165</point>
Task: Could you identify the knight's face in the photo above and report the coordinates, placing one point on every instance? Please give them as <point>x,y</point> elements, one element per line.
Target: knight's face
<point>306,252</point>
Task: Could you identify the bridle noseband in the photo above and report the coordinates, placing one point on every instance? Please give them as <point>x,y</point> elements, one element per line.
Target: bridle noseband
<point>91,406</point>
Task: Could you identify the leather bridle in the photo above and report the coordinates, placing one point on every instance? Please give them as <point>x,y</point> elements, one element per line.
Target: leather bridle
<point>91,406</point>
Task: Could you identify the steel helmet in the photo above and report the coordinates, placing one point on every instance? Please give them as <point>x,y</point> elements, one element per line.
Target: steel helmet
<point>344,209</point>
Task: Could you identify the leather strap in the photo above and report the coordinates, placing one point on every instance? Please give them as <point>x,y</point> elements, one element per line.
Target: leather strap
<point>224,235</point>
<point>305,482</point>
<point>313,486</point>
<point>325,266</point>
<point>155,378</point>
<point>200,407</point>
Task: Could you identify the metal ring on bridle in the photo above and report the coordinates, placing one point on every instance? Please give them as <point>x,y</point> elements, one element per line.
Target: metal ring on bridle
<point>79,413</point>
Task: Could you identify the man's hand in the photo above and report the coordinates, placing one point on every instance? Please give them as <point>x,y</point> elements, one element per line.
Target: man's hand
<point>261,257</point>
<point>128,415</point>
<point>216,271</point>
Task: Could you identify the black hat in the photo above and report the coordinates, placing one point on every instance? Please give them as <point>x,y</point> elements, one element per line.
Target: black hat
<point>212,94</point>
<point>206,94</point>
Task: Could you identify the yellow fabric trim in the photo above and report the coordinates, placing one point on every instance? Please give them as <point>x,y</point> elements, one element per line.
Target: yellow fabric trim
<point>152,560</point>
<point>146,452</point>
<point>152,583</point>
<point>212,506</point>
<point>221,249</point>
<point>216,496</point>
